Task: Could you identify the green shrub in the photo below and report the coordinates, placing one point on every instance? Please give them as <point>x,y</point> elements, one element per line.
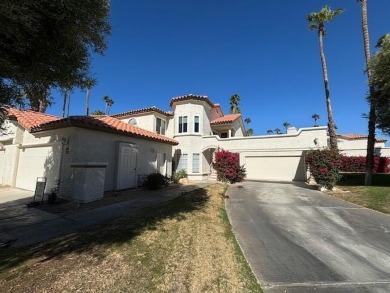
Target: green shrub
<point>324,166</point>
<point>155,181</point>
<point>179,175</point>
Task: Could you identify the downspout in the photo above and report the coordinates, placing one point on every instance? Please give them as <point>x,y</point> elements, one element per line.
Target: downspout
<point>15,165</point>
<point>64,141</point>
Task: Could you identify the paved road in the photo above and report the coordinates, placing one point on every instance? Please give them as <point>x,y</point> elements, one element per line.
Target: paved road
<point>301,240</point>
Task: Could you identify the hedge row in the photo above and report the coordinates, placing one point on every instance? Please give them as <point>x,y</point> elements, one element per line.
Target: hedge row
<point>358,164</point>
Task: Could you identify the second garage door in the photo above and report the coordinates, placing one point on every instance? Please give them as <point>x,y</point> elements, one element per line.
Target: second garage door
<point>38,162</point>
<point>275,168</point>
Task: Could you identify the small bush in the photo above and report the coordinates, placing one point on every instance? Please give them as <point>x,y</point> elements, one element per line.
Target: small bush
<point>358,164</point>
<point>227,165</point>
<point>179,175</point>
<point>155,181</point>
<point>324,166</point>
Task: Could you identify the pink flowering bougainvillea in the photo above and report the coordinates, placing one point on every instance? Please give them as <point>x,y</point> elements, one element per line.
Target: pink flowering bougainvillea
<point>358,164</point>
<point>227,165</point>
<point>324,166</point>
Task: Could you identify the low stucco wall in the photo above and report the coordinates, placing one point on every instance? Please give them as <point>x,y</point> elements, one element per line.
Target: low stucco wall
<point>272,157</point>
<point>304,139</point>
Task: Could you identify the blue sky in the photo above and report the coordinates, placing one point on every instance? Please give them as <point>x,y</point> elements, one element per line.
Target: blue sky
<point>260,49</point>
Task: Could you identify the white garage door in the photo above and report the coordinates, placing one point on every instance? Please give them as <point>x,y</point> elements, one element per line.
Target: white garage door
<point>38,162</point>
<point>275,168</point>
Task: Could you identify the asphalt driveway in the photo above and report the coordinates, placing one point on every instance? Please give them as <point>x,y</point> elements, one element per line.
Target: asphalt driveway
<point>301,240</point>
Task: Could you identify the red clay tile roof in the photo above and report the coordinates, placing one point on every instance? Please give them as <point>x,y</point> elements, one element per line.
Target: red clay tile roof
<point>30,119</point>
<point>35,122</point>
<point>358,136</point>
<point>226,119</point>
<point>192,97</point>
<point>144,110</point>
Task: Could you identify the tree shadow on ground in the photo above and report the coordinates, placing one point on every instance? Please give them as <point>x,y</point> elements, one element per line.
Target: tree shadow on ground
<point>96,238</point>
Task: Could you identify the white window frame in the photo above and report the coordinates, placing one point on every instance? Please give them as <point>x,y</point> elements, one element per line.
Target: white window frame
<point>181,124</point>
<point>182,162</point>
<point>163,126</point>
<point>196,163</point>
<point>196,116</point>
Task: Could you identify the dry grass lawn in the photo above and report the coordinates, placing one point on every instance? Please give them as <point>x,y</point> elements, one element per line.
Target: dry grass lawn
<point>185,245</point>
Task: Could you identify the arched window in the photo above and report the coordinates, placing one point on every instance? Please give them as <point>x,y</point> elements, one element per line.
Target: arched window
<point>132,121</point>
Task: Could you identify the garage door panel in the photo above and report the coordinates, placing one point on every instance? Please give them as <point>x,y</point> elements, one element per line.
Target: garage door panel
<point>279,168</point>
<point>38,162</point>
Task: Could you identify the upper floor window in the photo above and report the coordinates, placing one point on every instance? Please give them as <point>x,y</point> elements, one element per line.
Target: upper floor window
<point>183,124</point>
<point>160,126</point>
<point>196,124</point>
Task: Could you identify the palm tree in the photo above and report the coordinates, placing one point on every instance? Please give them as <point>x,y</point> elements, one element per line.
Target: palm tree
<point>66,91</point>
<point>372,114</point>
<point>317,22</point>
<point>249,131</point>
<point>286,125</point>
<point>89,83</point>
<point>316,117</point>
<point>270,131</point>
<point>277,131</point>
<point>109,102</point>
<point>234,102</point>
<point>97,112</point>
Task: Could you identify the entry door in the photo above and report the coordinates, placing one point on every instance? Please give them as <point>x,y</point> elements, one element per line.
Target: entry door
<point>127,166</point>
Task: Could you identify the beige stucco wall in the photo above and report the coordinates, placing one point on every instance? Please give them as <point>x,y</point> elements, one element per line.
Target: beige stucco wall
<point>144,120</point>
<point>39,155</point>
<point>105,149</point>
<point>269,157</point>
<point>304,139</point>
<point>190,142</point>
<point>384,152</point>
<point>358,147</point>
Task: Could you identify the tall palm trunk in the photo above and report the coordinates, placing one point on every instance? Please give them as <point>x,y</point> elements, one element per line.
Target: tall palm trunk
<point>42,105</point>
<point>331,125</point>
<point>87,102</point>
<point>372,114</point>
<point>68,104</point>
<point>64,104</point>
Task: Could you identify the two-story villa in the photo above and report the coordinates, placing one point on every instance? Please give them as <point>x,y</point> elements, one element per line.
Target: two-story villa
<point>115,152</point>
<point>193,118</point>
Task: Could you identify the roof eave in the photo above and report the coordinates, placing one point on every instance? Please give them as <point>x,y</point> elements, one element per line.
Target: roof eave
<point>66,124</point>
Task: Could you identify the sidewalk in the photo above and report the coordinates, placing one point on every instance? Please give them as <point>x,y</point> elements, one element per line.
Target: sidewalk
<point>24,226</point>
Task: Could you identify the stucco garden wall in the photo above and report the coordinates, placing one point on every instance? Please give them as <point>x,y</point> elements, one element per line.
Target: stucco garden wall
<point>304,139</point>
<point>383,152</point>
<point>358,147</point>
<point>272,157</point>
